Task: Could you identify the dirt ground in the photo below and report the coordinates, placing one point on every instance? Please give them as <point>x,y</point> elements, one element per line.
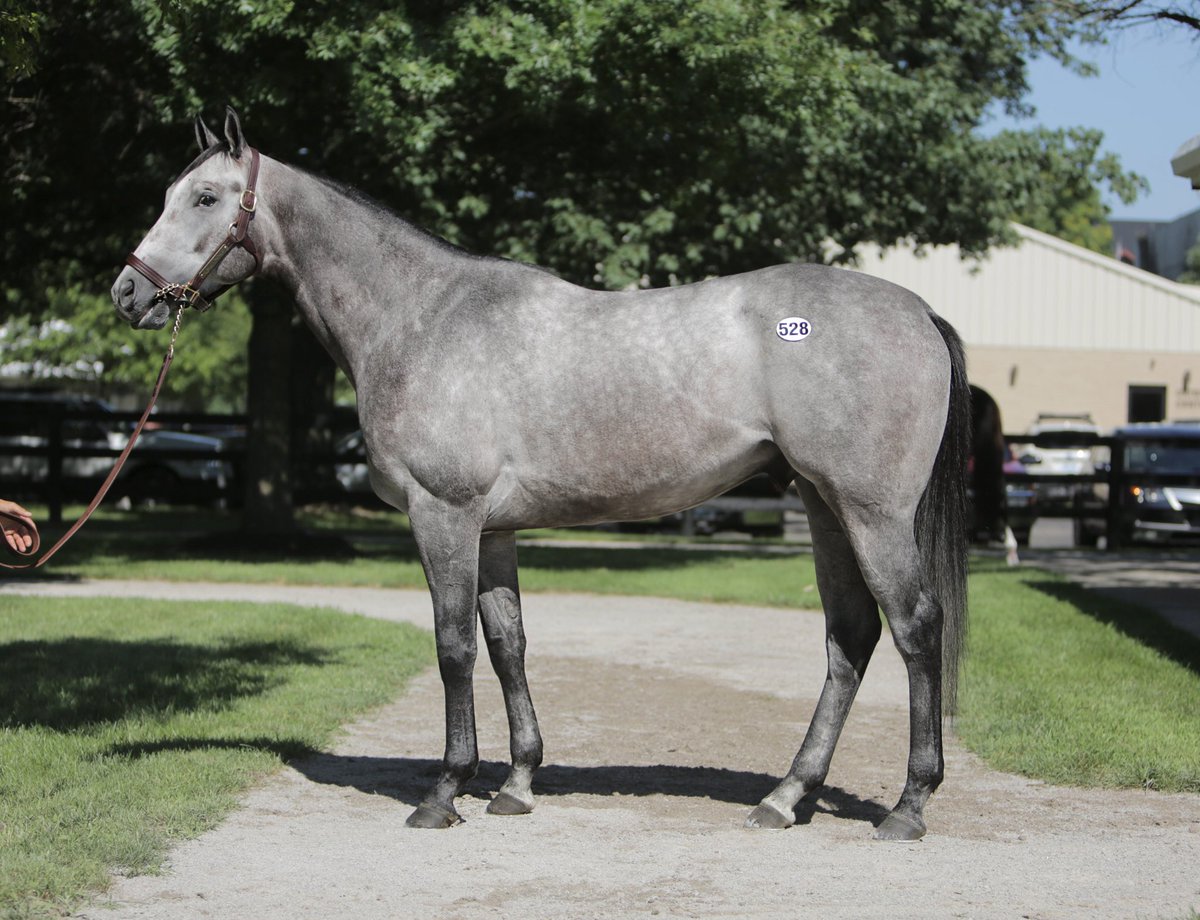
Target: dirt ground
<point>664,723</point>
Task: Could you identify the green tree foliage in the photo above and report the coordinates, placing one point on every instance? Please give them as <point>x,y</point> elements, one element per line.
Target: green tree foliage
<point>75,342</point>
<point>617,142</point>
<point>1071,163</point>
<point>1191,263</point>
<point>19,24</point>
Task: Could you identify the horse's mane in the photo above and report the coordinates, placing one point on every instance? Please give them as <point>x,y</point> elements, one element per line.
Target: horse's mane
<point>207,154</point>
<point>386,214</point>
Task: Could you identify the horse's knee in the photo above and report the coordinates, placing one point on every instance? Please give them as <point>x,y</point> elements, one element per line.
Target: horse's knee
<point>456,662</point>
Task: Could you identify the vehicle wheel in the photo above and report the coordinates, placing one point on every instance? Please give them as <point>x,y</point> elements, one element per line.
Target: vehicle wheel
<point>152,485</point>
<point>1084,535</point>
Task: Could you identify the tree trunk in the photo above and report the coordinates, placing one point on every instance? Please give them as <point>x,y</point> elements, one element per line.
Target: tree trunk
<point>312,376</point>
<point>268,484</point>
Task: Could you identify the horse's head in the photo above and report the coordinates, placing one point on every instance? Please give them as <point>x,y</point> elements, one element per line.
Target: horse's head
<point>199,245</point>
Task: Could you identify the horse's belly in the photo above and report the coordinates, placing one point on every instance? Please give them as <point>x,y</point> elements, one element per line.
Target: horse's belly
<point>624,485</point>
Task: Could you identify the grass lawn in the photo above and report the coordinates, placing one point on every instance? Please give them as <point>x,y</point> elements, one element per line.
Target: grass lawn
<point>126,725</point>
<point>1072,687</point>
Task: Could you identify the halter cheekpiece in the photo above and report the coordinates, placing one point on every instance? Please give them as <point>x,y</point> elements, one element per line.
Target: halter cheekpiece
<point>188,293</point>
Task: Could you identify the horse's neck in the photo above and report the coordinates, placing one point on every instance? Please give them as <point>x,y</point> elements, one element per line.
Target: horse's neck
<point>358,276</point>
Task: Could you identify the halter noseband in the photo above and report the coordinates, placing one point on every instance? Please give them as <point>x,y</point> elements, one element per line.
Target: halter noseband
<point>189,292</point>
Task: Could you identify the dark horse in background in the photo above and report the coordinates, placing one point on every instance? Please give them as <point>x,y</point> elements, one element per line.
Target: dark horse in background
<point>495,397</point>
<point>989,498</point>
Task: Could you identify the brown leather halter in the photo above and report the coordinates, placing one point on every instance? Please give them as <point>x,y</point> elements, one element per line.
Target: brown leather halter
<point>189,293</point>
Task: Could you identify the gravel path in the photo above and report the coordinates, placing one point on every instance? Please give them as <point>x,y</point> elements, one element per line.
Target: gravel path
<point>664,722</point>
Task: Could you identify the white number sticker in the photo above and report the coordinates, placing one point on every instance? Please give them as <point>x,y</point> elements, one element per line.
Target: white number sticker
<point>793,329</point>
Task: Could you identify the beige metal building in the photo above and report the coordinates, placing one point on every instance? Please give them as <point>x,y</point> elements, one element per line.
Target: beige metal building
<point>1052,327</point>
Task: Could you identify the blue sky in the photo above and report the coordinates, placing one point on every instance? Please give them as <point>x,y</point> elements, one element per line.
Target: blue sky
<point>1146,100</point>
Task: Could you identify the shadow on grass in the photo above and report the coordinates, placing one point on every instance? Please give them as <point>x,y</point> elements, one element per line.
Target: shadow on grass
<point>222,546</point>
<point>68,683</point>
<point>408,779</point>
<point>321,547</point>
<point>1139,623</point>
<point>283,748</point>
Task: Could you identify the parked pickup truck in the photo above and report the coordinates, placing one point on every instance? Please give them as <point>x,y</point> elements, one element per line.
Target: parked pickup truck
<point>1160,495</point>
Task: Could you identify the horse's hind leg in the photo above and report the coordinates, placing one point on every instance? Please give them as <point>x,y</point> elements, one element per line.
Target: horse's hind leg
<point>852,629</point>
<point>890,561</point>
<point>500,612</point>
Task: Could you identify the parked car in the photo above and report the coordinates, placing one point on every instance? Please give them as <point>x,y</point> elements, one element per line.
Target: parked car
<point>25,424</point>
<point>26,420</point>
<point>1062,459</point>
<point>1160,498</point>
<point>148,479</point>
<point>760,514</point>
<point>350,463</point>
<point>754,507</point>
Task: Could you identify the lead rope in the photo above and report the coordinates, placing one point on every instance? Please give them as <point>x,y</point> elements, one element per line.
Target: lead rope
<point>11,523</point>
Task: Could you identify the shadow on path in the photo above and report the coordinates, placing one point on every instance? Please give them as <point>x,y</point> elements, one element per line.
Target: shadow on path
<point>408,779</point>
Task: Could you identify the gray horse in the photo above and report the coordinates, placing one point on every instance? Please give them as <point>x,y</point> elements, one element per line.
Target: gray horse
<point>494,396</point>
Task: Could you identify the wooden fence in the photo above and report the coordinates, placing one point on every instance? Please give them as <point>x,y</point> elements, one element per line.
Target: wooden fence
<point>313,472</point>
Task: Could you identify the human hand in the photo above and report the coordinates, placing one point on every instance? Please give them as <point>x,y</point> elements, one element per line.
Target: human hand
<point>18,538</point>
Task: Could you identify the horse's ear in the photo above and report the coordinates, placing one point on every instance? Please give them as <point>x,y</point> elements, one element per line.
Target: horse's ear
<point>204,137</point>
<point>233,132</point>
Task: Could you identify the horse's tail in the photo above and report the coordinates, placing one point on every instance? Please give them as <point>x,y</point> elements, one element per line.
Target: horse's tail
<point>941,524</point>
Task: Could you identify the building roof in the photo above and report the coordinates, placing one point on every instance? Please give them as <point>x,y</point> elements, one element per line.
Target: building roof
<point>1046,293</point>
<point>1186,161</point>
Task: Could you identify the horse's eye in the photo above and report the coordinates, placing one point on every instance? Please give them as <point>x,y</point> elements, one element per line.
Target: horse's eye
<point>206,200</point>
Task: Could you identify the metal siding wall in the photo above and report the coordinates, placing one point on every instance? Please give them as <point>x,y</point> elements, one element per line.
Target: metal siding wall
<point>1047,294</point>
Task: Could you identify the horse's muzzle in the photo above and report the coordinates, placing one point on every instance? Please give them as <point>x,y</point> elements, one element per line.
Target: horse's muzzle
<point>151,313</point>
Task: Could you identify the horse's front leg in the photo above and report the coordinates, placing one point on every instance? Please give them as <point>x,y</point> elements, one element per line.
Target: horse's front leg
<point>448,541</point>
<point>500,611</point>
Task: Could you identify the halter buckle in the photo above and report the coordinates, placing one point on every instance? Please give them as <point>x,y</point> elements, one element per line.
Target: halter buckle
<point>192,297</point>
<point>249,201</point>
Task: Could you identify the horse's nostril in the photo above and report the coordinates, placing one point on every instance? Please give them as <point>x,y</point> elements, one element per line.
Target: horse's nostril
<point>127,288</point>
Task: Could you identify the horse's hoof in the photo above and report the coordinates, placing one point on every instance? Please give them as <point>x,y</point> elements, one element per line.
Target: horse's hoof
<point>431,816</point>
<point>900,827</point>
<point>505,804</point>
<point>765,816</point>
